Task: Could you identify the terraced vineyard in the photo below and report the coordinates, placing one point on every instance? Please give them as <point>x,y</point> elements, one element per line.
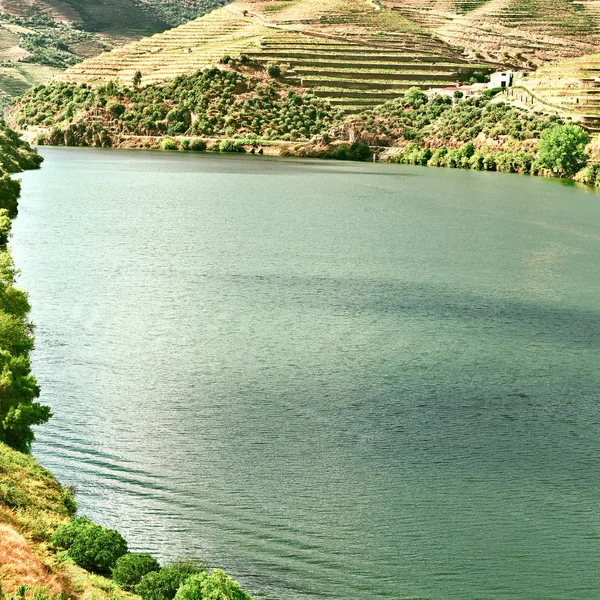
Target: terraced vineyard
<point>354,53</point>
<point>523,32</point>
<point>571,85</point>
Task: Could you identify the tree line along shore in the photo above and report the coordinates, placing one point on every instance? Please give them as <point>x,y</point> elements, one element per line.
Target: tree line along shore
<point>239,106</point>
<point>46,553</point>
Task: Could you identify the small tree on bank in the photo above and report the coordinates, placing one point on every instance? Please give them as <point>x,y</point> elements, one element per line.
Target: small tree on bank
<point>137,80</point>
<point>562,149</point>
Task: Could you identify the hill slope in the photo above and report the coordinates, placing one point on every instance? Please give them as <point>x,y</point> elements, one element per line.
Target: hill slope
<point>525,30</point>
<point>571,85</point>
<point>39,39</point>
<point>354,53</point>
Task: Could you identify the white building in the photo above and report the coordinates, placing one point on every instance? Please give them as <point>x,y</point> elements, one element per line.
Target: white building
<point>500,79</point>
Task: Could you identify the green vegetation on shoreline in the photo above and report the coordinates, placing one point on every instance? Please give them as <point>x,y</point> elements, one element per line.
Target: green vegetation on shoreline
<point>19,410</point>
<point>45,555</point>
<point>235,109</point>
<point>208,103</point>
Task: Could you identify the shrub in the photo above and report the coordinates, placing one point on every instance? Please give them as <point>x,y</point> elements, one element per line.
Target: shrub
<point>197,145</point>
<point>415,96</point>
<point>168,143</point>
<point>225,60</point>
<point>97,549</point>
<point>69,500</point>
<point>360,151</point>
<point>163,584</point>
<point>65,535</point>
<point>130,568</point>
<point>116,109</point>
<point>230,146</point>
<point>5,226</point>
<point>273,69</point>
<point>216,586</point>
<point>244,59</point>
<point>493,92</point>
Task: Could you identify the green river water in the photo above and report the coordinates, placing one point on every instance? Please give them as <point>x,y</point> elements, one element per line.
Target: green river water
<point>334,380</point>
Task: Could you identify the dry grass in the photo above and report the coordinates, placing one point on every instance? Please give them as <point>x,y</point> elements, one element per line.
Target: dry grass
<point>20,566</point>
<point>32,505</point>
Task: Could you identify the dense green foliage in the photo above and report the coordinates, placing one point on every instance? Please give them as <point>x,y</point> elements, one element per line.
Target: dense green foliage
<point>468,157</point>
<point>130,568</point>
<point>590,175</point>
<point>163,584</point>
<point>176,12</point>
<point>91,546</point>
<point>213,102</point>
<point>18,387</point>
<point>439,120</point>
<point>214,586</point>
<point>562,149</point>
<point>97,548</point>
<point>65,535</point>
<point>104,551</point>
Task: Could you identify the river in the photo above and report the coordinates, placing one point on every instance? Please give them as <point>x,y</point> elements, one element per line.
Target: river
<point>334,380</point>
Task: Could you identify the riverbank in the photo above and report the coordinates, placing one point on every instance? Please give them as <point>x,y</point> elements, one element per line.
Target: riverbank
<point>225,109</point>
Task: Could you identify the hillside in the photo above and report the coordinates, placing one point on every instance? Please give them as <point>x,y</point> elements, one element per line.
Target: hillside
<point>38,40</point>
<point>523,33</point>
<point>572,86</point>
<point>353,53</point>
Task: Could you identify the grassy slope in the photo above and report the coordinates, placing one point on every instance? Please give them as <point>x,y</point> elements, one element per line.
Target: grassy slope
<point>32,505</point>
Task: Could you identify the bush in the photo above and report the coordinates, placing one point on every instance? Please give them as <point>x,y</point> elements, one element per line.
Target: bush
<point>197,145</point>
<point>69,500</point>
<point>230,146</point>
<point>216,586</point>
<point>65,535</point>
<point>5,226</point>
<point>168,143</point>
<point>360,151</point>
<point>130,568</point>
<point>273,69</point>
<point>116,109</point>
<point>163,584</point>
<point>97,549</point>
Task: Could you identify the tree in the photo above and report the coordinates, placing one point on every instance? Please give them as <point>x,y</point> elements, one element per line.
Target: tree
<point>97,549</point>
<point>137,79</point>
<point>216,586</point>
<point>415,96</point>
<point>562,149</point>
<point>273,69</point>
<point>130,568</point>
